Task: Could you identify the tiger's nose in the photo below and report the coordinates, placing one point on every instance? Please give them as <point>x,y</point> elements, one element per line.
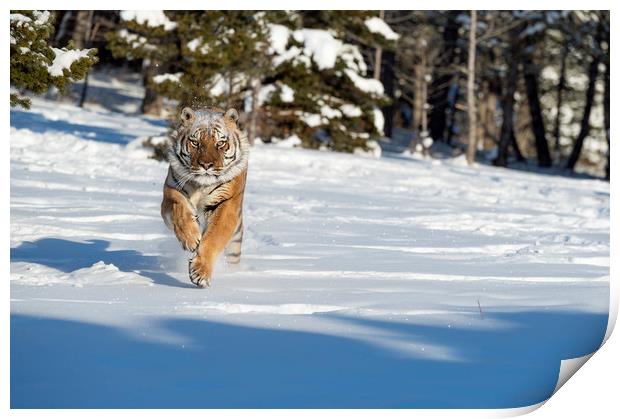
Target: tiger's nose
<point>206,166</point>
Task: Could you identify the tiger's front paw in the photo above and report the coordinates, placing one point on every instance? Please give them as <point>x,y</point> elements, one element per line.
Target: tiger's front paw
<point>199,272</point>
<point>187,231</point>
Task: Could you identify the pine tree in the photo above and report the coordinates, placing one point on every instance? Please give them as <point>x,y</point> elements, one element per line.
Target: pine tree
<point>223,55</point>
<point>35,65</point>
<point>290,75</point>
<point>320,77</point>
<point>152,37</point>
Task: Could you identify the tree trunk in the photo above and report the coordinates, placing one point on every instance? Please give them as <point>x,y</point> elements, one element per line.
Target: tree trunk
<point>471,98</point>
<point>530,75</point>
<point>378,52</point>
<point>87,38</point>
<point>452,113</point>
<point>419,90</point>
<point>425,106</point>
<point>153,103</point>
<point>487,129</point>
<point>387,78</point>
<point>443,77</point>
<point>559,101</point>
<point>606,115</point>
<point>62,28</point>
<point>253,113</point>
<point>507,130</point>
<point>585,120</point>
<point>515,146</point>
<point>82,27</point>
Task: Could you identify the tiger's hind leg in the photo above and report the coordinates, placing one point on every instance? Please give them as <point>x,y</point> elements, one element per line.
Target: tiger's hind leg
<point>233,249</point>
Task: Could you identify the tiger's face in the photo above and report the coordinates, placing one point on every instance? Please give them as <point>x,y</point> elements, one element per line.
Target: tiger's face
<point>208,143</point>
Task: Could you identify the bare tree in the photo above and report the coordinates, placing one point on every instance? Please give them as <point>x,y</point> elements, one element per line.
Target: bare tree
<point>83,23</point>
<point>559,99</point>
<point>378,52</point>
<point>589,100</point>
<point>471,98</point>
<point>606,115</point>
<point>530,39</point>
<point>87,33</point>
<point>508,99</point>
<point>445,75</point>
<point>62,28</point>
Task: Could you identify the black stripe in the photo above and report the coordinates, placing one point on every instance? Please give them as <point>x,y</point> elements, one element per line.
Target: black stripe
<point>177,183</point>
<point>174,177</point>
<point>233,255</point>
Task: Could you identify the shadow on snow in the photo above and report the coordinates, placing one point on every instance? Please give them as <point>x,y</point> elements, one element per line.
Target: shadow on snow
<point>69,256</point>
<point>39,123</point>
<point>60,363</point>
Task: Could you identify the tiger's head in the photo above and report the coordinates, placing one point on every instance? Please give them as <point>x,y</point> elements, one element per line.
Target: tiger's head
<point>208,146</point>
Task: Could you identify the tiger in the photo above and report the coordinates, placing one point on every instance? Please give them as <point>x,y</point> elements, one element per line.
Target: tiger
<point>208,164</point>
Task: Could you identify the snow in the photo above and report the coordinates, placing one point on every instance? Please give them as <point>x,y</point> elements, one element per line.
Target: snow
<point>378,120</point>
<point>278,38</point>
<point>287,94</point>
<point>150,18</point>
<point>196,43</point>
<point>171,77</point>
<point>353,58</point>
<point>378,25</point>
<point>374,149</point>
<point>320,45</point>
<point>427,141</point>
<point>365,282</point>
<point>370,86</point>
<point>19,19</point>
<point>264,94</point>
<point>64,58</point>
<point>135,40</point>
<point>220,85</point>
<point>41,18</point>
<point>293,53</point>
<point>550,74</point>
<point>289,142</point>
<point>311,119</point>
<point>329,112</point>
<point>351,111</point>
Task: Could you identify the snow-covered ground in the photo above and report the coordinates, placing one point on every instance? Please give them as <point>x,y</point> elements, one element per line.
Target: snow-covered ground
<point>391,282</point>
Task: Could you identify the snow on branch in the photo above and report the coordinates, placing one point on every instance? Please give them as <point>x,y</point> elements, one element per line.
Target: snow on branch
<point>64,59</point>
<point>278,38</point>
<point>171,77</point>
<point>370,86</point>
<point>378,25</point>
<point>150,18</point>
<point>320,45</point>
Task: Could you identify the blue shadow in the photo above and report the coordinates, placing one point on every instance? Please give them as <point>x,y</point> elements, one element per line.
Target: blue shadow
<point>67,364</point>
<point>68,256</point>
<point>40,124</point>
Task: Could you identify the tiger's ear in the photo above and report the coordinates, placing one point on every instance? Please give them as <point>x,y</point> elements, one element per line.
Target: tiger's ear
<point>232,114</point>
<point>187,116</point>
